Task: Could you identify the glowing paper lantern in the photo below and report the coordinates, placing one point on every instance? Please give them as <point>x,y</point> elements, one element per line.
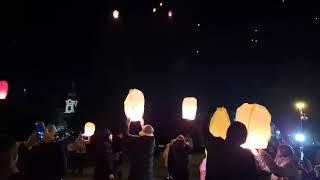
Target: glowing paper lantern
<point>89,129</point>
<point>189,108</point>
<point>257,120</point>
<point>134,105</point>
<point>170,14</point>
<point>219,123</point>
<point>115,14</point>
<point>3,89</point>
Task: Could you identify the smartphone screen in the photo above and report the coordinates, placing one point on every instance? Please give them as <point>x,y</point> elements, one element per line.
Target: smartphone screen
<point>40,130</point>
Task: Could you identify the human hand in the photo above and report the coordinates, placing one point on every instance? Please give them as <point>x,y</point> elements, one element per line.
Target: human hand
<point>317,170</point>
<point>254,152</point>
<point>128,122</point>
<point>111,177</point>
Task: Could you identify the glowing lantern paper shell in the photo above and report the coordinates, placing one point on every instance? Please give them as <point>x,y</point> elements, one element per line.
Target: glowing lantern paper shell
<point>115,14</point>
<point>189,108</point>
<point>3,89</point>
<point>134,105</point>
<point>257,120</point>
<point>89,129</point>
<point>219,123</point>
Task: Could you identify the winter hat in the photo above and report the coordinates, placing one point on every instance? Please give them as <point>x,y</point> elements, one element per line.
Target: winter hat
<point>147,130</point>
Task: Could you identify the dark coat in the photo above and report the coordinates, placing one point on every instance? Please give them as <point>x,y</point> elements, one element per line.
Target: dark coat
<point>228,162</point>
<point>47,161</point>
<point>178,160</point>
<point>140,151</point>
<point>104,160</point>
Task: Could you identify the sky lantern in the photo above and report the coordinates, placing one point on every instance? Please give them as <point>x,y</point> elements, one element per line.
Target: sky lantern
<point>3,89</point>
<point>89,129</point>
<point>257,120</point>
<point>154,10</point>
<point>189,108</point>
<point>170,14</point>
<point>134,105</point>
<point>115,14</point>
<point>219,123</point>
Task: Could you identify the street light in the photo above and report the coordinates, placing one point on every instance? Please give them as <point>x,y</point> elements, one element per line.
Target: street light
<point>299,136</point>
<point>300,105</point>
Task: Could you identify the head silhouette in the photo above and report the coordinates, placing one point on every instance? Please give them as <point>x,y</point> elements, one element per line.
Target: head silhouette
<point>236,133</point>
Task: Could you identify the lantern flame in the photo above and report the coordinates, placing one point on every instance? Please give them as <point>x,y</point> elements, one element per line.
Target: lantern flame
<point>3,89</point>
<point>89,129</point>
<point>134,105</point>
<point>189,108</point>
<point>115,14</point>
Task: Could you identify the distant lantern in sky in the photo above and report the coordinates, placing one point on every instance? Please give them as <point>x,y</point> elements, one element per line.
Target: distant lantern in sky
<point>154,10</point>
<point>134,105</point>
<point>115,14</point>
<point>257,120</point>
<point>219,123</point>
<point>189,108</point>
<point>198,25</point>
<point>170,14</point>
<point>161,4</point>
<point>89,129</point>
<point>3,89</point>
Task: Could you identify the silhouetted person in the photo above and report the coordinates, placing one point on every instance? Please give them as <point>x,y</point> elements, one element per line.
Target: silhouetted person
<point>117,146</point>
<point>227,160</point>
<point>178,159</point>
<point>140,149</point>
<point>104,166</point>
<point>8,158</point>
<point>77,151</point>
<point>284,166</point>
<point>47,160</point>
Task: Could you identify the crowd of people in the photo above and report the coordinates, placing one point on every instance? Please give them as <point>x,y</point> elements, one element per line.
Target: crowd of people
<point>50,158</point>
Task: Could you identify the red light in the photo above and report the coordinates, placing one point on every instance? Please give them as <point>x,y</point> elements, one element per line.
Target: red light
<point>3,89</point>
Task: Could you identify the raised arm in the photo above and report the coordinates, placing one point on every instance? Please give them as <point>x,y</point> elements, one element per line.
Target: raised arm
<point>286,170</point>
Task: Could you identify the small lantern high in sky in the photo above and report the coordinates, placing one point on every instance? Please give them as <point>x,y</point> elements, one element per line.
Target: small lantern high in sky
<point>257,120</point>
<point>219,123</point>
<point>89,129</point>
<point>170,14</point>
<point>189,108</point>
<point>3,89</point>
<point>115,14</point>
<point>134,105</point>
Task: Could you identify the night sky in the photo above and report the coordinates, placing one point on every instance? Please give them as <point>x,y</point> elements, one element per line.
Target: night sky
<point>256,51</point>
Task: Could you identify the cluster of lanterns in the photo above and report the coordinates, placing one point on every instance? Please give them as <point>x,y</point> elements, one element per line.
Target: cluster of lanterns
<point>255,117</point>
<point>116,13</point>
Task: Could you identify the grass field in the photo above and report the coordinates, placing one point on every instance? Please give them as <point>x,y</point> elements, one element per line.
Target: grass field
<point>159,169</point>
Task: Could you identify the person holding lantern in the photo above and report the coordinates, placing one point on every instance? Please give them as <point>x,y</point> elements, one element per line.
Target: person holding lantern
<point>285,166</point>
<point>178,159</point>
<point>227,159</point>
<point>104,167</point>
<point>140,149</point>
<point>8,159</point>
